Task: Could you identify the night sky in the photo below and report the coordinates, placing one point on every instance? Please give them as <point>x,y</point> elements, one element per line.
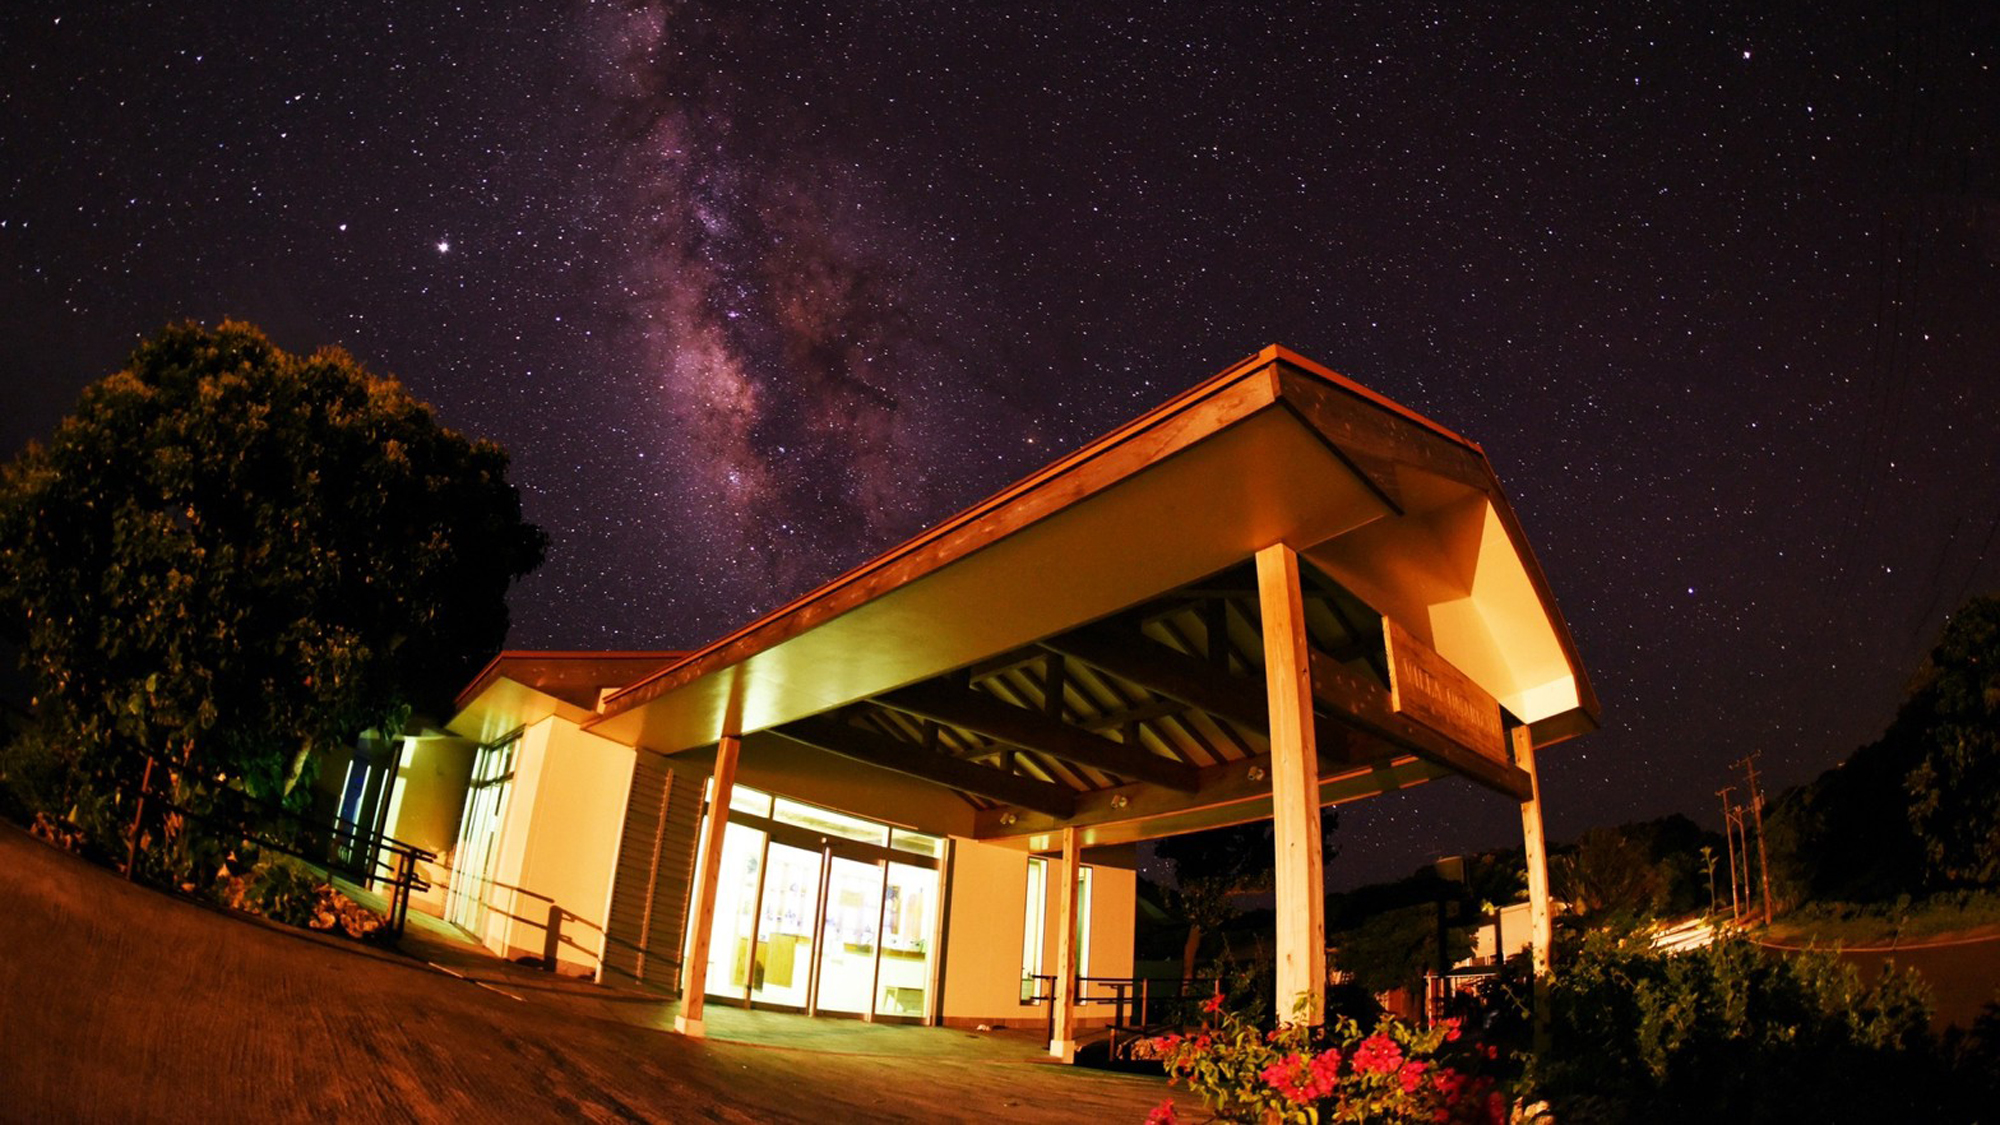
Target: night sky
<point>751,294</point>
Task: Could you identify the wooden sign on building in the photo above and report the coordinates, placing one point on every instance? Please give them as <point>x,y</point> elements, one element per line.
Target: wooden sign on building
<point>1431,690</point>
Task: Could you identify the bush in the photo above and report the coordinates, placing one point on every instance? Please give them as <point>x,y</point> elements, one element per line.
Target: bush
<point>1735,1031</point>
<point>1296,1073</point>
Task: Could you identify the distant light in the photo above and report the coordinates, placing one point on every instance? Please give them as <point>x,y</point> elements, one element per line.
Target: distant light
<point>444,247</point>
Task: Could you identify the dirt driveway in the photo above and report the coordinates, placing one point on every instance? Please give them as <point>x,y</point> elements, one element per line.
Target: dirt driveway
<point>120,1003</point>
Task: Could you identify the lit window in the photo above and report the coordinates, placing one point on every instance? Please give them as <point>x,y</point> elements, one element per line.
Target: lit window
<point>1032,931</point>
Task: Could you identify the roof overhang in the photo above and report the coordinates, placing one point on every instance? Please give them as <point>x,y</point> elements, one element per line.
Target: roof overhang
<point>1401,512</point>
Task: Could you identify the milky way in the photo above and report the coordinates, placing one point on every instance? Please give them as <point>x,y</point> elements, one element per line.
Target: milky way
<point>753,291</point>
<point>768,305</point>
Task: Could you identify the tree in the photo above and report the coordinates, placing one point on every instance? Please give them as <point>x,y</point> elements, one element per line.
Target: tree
<point>1395,948</point>
<point>231,556</point>
<point>1213,869</point>
<point>1609,874</point>
<point>1954,786</point>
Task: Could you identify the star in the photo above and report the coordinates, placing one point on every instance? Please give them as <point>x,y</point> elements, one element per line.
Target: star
<point>443,244</point>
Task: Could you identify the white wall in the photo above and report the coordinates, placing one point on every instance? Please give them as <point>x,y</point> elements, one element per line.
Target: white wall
<point>429,799</point>
<point>987,915</point>
<point>560,844</point>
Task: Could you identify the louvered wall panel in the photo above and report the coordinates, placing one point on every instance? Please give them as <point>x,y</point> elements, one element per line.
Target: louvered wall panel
<point>642,935</point>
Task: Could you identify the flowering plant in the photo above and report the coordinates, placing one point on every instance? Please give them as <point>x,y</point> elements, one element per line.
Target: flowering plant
<point>1335,1073</point>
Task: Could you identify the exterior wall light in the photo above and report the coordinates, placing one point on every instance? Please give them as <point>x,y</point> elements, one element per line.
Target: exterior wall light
<point>1008,818</point>
<point>1120,801</point>
<point>1256,773</point>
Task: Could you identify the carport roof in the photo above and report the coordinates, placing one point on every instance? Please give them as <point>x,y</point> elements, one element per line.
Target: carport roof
<point>1136,544</point>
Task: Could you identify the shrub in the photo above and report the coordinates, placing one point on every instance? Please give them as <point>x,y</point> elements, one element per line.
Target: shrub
<point>1734,1030</point>
<point>1296,1073</point>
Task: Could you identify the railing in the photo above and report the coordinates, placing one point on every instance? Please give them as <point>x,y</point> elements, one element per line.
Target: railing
<point>1143,1007</point>
<point>364,855</point>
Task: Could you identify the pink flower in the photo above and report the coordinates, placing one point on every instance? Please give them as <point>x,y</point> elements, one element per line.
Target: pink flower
<point>1378,1054</point>
<point>1451,1032</point>
<point>1326,1064</point>
<point>1301,1080</point>
<point>1163,1114</point>
<point>1412,1075</point>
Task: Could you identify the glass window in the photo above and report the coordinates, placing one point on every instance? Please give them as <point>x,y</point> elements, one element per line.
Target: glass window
<point>831,823</point>
<point>752,802</point>
<point>1083,921</point>
<point>916,843</point>
<point>729,949</point>
<point>1032,931</point>
<point>479,835</point>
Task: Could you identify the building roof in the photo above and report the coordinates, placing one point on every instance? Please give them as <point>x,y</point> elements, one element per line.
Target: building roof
<point>1109,570</point>
<point>523,686</point>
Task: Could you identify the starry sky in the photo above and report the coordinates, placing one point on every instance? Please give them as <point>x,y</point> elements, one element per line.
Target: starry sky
<point>752,292</point>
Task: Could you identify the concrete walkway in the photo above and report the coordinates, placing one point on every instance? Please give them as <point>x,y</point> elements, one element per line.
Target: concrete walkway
<point>122,1003</point>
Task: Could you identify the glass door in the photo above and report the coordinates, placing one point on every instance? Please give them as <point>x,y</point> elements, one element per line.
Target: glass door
<point>847,958</point>
<point>907,917</point>
<point>735,911</point>
<point>479,837</point>
<point>785,924</point>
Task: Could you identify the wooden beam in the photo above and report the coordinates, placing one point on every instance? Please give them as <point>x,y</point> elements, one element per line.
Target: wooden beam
<point>1062,1040</point>
<point>1189,680</point>
<point>1540,933</point>
<point>701,919</point>
<point>1231,793</point>
<point>1144,712</point>
<point>1361,703</point>
<point>1161,670</point>
<point>875,749</point>
<point>1300,878</point>
<point>1030,730</point>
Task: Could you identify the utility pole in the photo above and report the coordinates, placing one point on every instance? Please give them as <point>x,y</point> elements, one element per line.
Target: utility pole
<point>1729,823</point>
<point>1749,764</point>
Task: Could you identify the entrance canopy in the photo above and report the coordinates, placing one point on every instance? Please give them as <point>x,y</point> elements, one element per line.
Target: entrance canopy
<point>1086,649</point>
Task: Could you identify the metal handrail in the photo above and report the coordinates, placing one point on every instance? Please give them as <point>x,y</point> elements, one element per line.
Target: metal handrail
<point>1130,995</point>
<point>402,879</point>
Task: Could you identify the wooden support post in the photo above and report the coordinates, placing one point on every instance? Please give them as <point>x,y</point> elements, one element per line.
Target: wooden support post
<point>1062,1011</point>
<point>1300,877</point>
<point>694,974</point>
<point>1540,932</point>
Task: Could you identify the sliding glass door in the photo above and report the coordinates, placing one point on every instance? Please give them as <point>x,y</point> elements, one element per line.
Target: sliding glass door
<point>823,912</point>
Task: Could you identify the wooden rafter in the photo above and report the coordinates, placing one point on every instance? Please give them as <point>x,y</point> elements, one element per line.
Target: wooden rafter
<point>1033,730</point>
<point>877,749</point>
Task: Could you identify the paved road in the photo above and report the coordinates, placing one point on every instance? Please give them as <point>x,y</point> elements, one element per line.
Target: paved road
<point>120,1004</point>
<point>1963,977</point>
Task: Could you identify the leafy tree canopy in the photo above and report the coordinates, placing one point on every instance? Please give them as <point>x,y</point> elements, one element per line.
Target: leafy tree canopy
<point>1954,785</point>
<point>231,556</point>
<point>1212,869</point>
<point>1918,808</point>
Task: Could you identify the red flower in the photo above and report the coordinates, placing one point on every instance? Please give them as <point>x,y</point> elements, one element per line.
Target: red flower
<point>1412,1075</point>
<point>1378,1054</point>
<point>1303,1080</point>
<point>1451,1029</point>
<point>1163,1114</point>
<point>1214,1003</point>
